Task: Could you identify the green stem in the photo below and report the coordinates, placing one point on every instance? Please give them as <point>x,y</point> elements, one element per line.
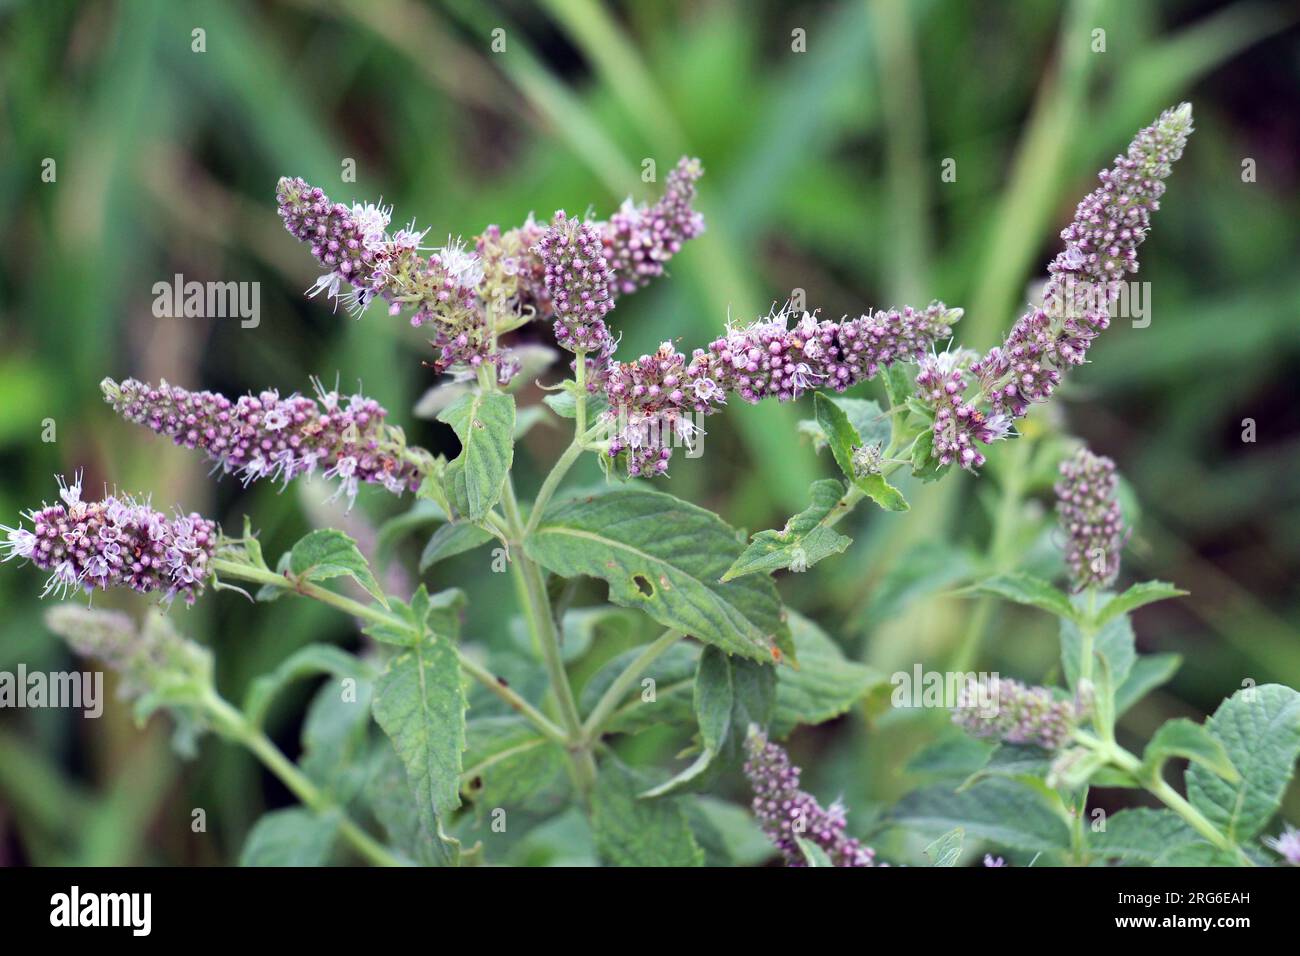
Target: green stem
<point>541,622</point>
<point>617,690</point>
<point>377,615</point>
<point>1118,757</point>
<point>233,725</point>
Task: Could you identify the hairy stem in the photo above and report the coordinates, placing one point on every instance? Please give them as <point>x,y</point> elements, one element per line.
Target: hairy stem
<point>233,725</point>
<point>614,695</point>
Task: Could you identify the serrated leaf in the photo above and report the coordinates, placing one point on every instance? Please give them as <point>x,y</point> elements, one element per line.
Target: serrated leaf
<point>813,855</point>
<point>946,850</point>
<point>630,831</point>
<point>485,424</point>
<point>293,837</point>
<point>1114,643</point>
<point>1148,592</point>
<point>664,556</point>
<point>1259,727</point>
<point>843,438</point>
<point>1008,812</point>
<point>307,661</point>
<point>420,704</point>
<point>803,541</point>
<point>325,554</point>
<point>1148,672</point>
<point>387,792</point>
<point>1140,835</point>
<point>826,683</point>
<point>452,539</point>
<point>439,614</point>
<point>337,739</point>
<point>1184,738</point>
<point>1029,590</point>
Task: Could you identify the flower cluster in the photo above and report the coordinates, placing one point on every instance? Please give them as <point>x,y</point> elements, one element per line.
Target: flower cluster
<point>1090,516</point>
<point>1084,280</point>
<point>639,239</point>
<point>772,358</point>
<point>147,658</point>
<point>114,542</point>
<point>343,239</point>
<point>266,436</point>
<point>651,401</point>
<point>1085,277</point>
<point>577,282</point>
<point>787,813</point>
<point>471,296</point>
<point>1004,709</point>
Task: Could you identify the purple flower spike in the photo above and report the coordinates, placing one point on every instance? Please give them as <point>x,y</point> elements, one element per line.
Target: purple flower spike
<point>266,436</point>
<point>638,240</point>
<point>1091,519</point>
<point>1003,709</point>
<point>115,542</point>
<point>577,280</point>
<point>771,358</point>
<point>786,813</point>
<point>1085,277</point>
<point>344,240</point>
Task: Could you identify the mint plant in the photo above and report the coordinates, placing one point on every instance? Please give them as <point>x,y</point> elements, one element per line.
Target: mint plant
<point>415,749</point>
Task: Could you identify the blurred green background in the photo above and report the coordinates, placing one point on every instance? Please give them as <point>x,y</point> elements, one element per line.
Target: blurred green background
<point>823,174</point>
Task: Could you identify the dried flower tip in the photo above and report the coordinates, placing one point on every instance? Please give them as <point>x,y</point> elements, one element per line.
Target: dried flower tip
<point>150,658</point>
<point>1090,516</point>
<point>787,813</point>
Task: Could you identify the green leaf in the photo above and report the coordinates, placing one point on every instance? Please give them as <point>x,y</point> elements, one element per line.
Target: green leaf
<point>1027,589</point>
<point>1259,728</point>
<point>954,756</point>
<point>326,554</point>
<point>439,614</point>
<point>452,539</point>
<point>337,739</point>
<point>946,850</point>
<point>1148,592</point>
<point>731,695</point>
<point>843,439</point>
<point>1185,738</point>
<point>1148,672</point>
<point>925,465</point>
<point>664,556</point>
<point>387,792</point>
<point>630,831</point>
<point>813,855</point>
<point>1014,761</point>
<point>922,570</point>
<point>1009,812</point>
<point>485,424</point>
<point>420,704</point>
<point>294,837</point>
<point>1140,835</point>
<point>1114,643</point>
<point>714,700</point>
<point>803,541</point>
<point>866,417</point>
<point>825,684</point>
<point>307,661</point>
<point>673,677</point>
<point>508,764</point>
